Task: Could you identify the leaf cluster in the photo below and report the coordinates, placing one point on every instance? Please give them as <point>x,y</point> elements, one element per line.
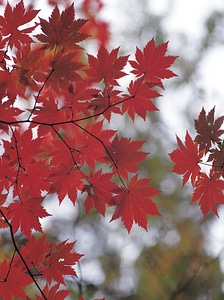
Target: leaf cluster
<point>202,161</point>
<point>57,102</point>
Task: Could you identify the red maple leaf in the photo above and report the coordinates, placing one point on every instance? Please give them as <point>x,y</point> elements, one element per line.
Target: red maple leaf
<point>134,203</point>
<point>105,103</point>
<point>47,106</point>
<point>217,158</point>
<point>125,155</point>
<point>140,101</point>
<point>209,191</point>
<point>208,129</point>
<point>153,63</point>
<point>54,293</point>
<point>62,30</point>
<point>66,182</point>
<point>106,66</point>
<point>26,214</point>
<point>91,143</point>
<point>32,65</point>
<point>187,159</point>
<point>60,261</point>
<point>8,172</point>
<point>12,281</point>
<point>35,259</point>
<point>99,191</point>
<point>13,19</point>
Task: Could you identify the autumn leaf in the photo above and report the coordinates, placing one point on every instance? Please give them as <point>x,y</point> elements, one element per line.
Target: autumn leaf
<point>209,191</point>
<point>104,102</point>
<point>35,259</point>
<point>134,203</point>
<point>13,19</point>
<point>91,143</point>
<point>99,191</point>
<point>12,281</point>
<point>187,159</point>
<point>32,65</point>
<point>125,154</point>
<point>216,156</point>
<point>60,261</point>
<point>106,66</point>
<point>140,100</point>
<point>25,215</point>
<point>208,129</point>
<point>57,105</point>
<point>48,106</point>
<point>8,172</point>
<point>61,30</point>
<point>54,292</point>
<point>153,63</point>
<point>66,182</point>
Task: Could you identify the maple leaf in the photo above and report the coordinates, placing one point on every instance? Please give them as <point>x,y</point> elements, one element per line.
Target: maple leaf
<point>187,159</point>
<point>208,129</point>
<point>32,65</point>
<point>90,143</point>
<point>134,204</point>
<point>209,191</point>
<point>106,66</point>
<point>140,100</point>
<point>64,68</point>
<point>217,157</point>
<point>34,179</point>
<point>99,191</point>
<point>8,172</point>
<point>13,19</point>
<point>61,30</point>
<point>126,155</point>
<point>66,181</point>
<point>12,113</point>
<point>3,223</point>
<point>35,259</point>
<point>53,292</point>
<point>16,79</point>
<point>105,102</point>
<point>26,214</point>
<point>152,63</point>
<point>48,106</point>
<point>60,261</point>
<point>12,281</point>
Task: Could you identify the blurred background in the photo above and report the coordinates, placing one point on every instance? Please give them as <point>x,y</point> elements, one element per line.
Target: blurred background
<point>181,256</point>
